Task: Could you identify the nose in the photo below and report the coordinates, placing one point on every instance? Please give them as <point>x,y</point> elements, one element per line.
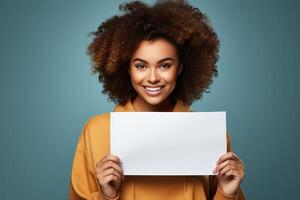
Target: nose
<point>153,77</point>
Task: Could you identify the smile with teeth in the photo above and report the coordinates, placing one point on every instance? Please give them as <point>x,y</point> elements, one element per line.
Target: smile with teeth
<point>153,91</point>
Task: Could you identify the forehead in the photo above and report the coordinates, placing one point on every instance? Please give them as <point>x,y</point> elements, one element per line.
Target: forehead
<point>155,50</point>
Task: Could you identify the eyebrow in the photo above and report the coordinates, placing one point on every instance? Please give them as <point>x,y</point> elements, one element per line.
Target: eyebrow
<point>164,59</point>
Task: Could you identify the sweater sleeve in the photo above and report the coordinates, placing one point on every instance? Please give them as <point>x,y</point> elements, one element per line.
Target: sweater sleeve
<point>216,190</point>
<point>83,183</point>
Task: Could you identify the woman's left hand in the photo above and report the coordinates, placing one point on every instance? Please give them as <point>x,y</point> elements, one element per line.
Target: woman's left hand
<point>230,171</point>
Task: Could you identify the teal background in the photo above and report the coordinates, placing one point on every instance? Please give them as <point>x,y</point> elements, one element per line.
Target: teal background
<point>48,92</point>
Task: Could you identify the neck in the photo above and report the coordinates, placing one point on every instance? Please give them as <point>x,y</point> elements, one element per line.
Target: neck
<point>140,105</point>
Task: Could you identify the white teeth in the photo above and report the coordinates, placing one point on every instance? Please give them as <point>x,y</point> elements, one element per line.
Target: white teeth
<point>153,89</point>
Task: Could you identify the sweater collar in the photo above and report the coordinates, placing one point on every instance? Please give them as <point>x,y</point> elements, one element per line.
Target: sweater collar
<point>128,107</point>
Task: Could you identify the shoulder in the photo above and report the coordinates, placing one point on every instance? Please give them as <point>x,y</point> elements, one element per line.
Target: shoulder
<point>95,125</point>
<point>94,138</point>
<point>93,142</point>
<point>96,120</point>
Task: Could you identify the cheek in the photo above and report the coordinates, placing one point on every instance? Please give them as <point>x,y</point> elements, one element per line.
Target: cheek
<point>136,77</point>
<point>171,77</point>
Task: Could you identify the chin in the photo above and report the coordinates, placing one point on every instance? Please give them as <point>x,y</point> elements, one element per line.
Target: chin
<point>153,101</point>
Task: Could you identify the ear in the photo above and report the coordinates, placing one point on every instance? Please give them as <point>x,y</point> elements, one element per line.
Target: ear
<point>180,70</point>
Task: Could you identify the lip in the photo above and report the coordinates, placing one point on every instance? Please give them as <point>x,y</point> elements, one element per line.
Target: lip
<point>151,86</point>
<point>153,93</point>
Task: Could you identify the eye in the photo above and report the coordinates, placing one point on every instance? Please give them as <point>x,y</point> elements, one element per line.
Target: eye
<point>140,66</point>
<point>165,65</point>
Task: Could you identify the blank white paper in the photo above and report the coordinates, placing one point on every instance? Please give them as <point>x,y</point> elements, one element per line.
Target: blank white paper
<point>168,143</point>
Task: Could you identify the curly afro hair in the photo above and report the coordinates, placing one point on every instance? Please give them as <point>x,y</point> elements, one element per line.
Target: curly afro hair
<point>177,21</point>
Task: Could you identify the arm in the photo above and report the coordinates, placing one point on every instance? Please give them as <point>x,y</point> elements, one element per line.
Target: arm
<point>215,191</point>
<point>83,183</point>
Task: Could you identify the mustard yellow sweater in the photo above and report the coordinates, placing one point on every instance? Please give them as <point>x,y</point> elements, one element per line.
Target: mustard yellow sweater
<point>94,143</point>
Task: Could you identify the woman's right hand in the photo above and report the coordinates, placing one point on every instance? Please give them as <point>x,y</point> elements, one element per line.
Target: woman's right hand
<point>109,174</point>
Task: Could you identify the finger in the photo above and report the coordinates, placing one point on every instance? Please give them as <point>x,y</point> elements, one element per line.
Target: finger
<point>237,158</point>
<point>109,157</point>
<point>220,166</point>
<point>228,155</point>
<point>114,158</point>
<point>228,168</point>
<point>234,173</point>
<point>111,164</point>
<point>103,158</point>
<point>113,171</point>
<point>109,178</point>
<point>100,162</point>
<point>110,171</point>
<point>102,176</point>
<point>223,164</point>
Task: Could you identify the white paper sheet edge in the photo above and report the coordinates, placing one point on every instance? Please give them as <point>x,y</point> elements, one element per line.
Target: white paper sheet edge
<point>168,143</point>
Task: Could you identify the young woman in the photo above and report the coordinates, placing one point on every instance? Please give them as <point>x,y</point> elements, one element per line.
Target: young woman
<point>159,58</point>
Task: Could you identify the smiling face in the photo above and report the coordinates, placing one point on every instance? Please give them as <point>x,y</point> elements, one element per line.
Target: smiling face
<point>154,68</point>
